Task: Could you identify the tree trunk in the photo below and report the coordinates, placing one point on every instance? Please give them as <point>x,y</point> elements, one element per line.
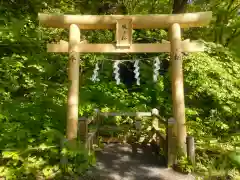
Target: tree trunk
<point>179,6</point>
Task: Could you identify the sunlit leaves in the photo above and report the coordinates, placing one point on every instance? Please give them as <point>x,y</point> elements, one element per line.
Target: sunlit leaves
<point>212,79</point>
<point>33,83</point>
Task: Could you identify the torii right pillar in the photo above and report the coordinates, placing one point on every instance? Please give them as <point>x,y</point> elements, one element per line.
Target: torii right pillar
<point>178,88</point>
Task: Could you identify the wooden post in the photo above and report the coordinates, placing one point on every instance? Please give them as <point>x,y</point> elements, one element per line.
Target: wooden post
<point>191,149</point>
<point>97,114</point>
<point>98,123</point>
<point>155,121</point>
<point>83,129</point>
<point>89,143</point>
<point>177,87</point>
<point>63,157</point>
<point>73,74</point>
<point>138,126</point>
<point>138,123</point>
<point>171,142</point>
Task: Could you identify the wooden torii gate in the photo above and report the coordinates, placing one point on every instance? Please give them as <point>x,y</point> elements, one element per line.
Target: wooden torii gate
<point>124,24</point>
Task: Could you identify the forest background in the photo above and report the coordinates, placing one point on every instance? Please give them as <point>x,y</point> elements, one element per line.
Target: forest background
<point>33,83</point>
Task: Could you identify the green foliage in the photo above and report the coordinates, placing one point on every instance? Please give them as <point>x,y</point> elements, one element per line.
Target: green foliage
<point>212,78</point>
<point>212,99</point>
<point>45,159</point>
<point>184,165</point>
<point>33,85</point>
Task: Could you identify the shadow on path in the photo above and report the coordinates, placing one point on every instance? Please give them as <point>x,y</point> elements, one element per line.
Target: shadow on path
<point>117,162</point>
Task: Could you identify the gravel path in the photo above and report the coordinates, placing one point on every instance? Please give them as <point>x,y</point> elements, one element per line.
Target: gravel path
<point>117,162</point>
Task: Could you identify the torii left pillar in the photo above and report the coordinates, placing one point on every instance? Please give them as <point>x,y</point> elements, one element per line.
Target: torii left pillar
<point>73,76</point>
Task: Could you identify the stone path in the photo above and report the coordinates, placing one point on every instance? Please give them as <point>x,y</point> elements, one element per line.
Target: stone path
<point>117,162</point>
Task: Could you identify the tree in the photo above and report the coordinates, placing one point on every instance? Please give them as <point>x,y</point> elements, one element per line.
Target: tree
<point>179,6</point>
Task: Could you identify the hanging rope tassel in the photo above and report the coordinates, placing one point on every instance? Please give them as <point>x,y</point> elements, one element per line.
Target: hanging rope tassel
<point>116,71</point>
<point>95,74</point>
<point>136,71</point>
<point>156,69</point>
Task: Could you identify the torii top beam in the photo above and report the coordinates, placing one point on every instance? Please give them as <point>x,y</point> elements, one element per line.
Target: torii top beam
<point>138,21</point>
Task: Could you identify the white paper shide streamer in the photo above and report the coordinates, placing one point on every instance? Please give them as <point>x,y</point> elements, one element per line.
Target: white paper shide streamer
<point>116,71</point>
<point>95,74</point>
<point>156,69</point>
<point>116,68</point>
<point>136,71</point>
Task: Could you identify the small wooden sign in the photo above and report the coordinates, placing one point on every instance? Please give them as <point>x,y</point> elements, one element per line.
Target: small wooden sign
<point>124,32</point>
